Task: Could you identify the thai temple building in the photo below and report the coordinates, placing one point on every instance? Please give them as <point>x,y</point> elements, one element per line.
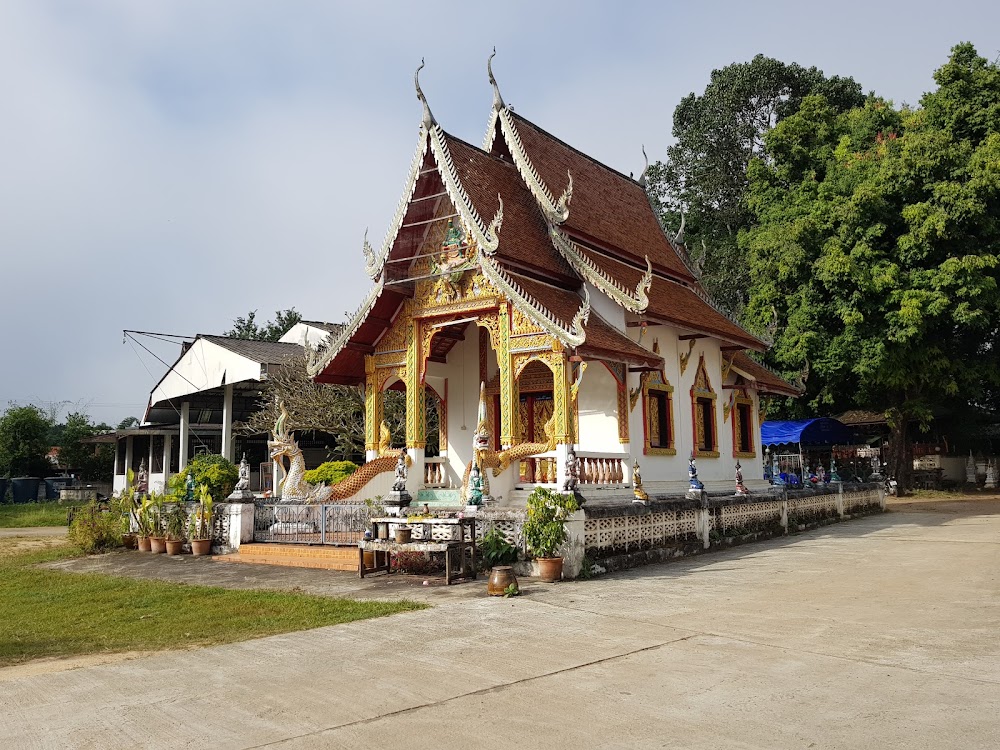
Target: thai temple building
<point>533,293</point>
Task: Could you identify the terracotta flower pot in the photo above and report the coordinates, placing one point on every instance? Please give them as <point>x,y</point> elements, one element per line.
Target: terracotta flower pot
<point>175,546</point>
<point>201,547</point>
<point>157,544</point>
<point>501,576</point>
<point>550,569</point>
<point>143,542</point>
<point>403,535</point>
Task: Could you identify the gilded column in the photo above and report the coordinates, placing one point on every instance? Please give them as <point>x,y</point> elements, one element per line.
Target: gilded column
<point>416,417</point>
<point>373,405</point>
<point>561,397</point>
<point>508,402</point>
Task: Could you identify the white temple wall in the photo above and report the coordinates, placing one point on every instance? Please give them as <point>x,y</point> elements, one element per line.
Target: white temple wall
<point>598,408</point>
<point>462,372</point>
<point>669,473</point>
<point>608,309</point>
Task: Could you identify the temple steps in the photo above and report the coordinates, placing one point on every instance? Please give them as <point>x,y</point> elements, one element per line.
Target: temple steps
<point>296,556</point>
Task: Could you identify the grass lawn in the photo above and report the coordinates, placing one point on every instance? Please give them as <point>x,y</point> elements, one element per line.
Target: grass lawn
<point>52,613</point>
<point>33,514</point>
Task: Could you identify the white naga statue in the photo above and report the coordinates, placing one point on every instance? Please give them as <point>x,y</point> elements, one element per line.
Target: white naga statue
<point>294,488</point>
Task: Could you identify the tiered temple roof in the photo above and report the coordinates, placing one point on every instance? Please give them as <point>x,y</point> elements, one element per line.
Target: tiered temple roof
<point>545,218</point>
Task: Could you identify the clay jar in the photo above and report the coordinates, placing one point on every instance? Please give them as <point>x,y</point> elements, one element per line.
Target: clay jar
<point>501,576</point>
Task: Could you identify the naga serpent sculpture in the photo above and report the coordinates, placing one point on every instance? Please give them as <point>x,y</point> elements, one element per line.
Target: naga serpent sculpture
<point>385,462</point>
<point>294,488</point>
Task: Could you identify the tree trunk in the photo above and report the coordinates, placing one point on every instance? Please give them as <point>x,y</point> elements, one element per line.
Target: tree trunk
<point>899,467</point>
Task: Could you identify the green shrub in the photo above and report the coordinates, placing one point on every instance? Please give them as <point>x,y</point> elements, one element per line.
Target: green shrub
<point>496,550</point>
<point>215,471</point>
<point>331,472</point>
<point>95,529</point>
<point>544,529</point>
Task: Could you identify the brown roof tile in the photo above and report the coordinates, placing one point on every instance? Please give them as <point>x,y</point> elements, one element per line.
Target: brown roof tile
<point>766,380</point>
<point>607,208</point>
<point>524,239</point>
<point>678,304</point>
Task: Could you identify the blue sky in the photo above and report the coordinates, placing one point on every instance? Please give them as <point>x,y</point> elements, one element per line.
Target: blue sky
<point>168,166</point>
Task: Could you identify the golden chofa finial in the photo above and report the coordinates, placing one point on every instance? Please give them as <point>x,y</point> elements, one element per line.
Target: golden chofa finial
<point>497,99</point>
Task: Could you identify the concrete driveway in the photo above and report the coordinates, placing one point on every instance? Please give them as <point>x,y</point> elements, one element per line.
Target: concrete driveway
<point>876,633</point>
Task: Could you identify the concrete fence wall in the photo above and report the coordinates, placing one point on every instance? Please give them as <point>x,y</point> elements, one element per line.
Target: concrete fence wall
<point>619,536</point>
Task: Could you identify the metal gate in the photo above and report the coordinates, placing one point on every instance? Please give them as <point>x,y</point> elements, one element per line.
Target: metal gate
<point>311,524</point>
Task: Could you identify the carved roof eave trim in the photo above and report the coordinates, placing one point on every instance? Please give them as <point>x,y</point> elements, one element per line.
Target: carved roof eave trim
<point>375,263</point>
<point>319,359</point>
<point>791,387</point>
<point>572,335</point>
<point>635,301</point>
<point>487,237</point>
<point>491,130</point>
<point>696,287</point>
<point>557,211</point>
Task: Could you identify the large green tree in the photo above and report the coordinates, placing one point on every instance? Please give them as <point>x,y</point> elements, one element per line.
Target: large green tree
<point>24,441</point>
<point>718,133</point>
<point>876,248</point>
<point>272,330</point>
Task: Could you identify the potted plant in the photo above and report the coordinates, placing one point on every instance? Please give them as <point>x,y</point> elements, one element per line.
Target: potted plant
<point>157,540</point>
<point>176,523</point>
<point>200,530</point>
<point>545,529</point>
<point>126,505</point>
<point>144,525</point>
<point>498,555</point>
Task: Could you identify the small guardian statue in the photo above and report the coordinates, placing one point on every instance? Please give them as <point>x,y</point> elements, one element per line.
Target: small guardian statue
<point>638,492</point>
<point>400,484</point>
<point>834,475</point>
<point>693,481</point>
<point>142,480</point>
<point>474,496</point>
<point>741,489</point>
<point>398,498</point>
<point>242,491</point>
<point>189,488</point>
<point>572,472</point>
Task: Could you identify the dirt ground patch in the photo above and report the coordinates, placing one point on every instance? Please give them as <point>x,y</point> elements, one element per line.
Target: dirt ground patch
<point>18,545</point>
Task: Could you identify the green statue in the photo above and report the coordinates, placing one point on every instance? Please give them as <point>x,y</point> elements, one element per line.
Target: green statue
<point>189,488</point>
<point>454,240</point>
<point>475,491</point>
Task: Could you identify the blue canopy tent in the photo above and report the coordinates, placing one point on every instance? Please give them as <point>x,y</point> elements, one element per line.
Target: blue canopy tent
<point>790,463</point>
<point>821,431</point>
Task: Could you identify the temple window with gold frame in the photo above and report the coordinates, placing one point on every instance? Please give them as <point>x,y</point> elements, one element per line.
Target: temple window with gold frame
<point>743,428</point>
<point>706,433</point>
<point>658,415</point>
